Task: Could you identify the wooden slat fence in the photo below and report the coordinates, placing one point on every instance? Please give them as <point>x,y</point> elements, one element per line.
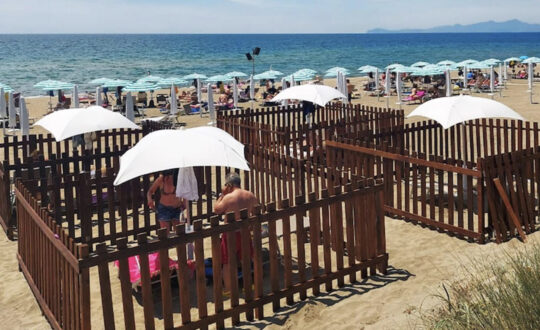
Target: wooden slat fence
<point>109,145</point>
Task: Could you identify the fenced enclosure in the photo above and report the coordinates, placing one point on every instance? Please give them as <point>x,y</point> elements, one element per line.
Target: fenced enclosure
<point>284,130</point>
<point>75,232</point>
<point>23,156</point>
<point>444,178</point>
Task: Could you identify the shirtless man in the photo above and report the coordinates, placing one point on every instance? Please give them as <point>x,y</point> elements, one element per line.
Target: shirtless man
<point>233,199</point>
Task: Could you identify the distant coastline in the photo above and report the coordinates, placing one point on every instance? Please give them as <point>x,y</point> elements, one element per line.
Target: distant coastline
<point>511,26</point>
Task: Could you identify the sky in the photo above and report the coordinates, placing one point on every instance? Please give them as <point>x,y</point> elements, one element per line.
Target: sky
<point>251,16</point>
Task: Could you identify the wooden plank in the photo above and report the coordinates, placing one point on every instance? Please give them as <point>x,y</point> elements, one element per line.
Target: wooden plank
<point>166,299</point>
<point>200,273</point>
<point>183,283</point>
<point>509,209</point>
<point>148,301</point>
<point>105,287</point>
<point>125,287</point>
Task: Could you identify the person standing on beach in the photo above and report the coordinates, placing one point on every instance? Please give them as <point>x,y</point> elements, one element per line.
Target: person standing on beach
<point>170,208</point>
<point>233,199</point>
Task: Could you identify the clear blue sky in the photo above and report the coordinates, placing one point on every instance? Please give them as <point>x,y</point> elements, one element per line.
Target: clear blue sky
<point>251,16</point>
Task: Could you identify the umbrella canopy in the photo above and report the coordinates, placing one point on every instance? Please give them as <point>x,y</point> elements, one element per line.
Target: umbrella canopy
<point>337,69</point>
<point>468,63</point>
<point>446,63</point>
<point>236,74</point>
<point>130,107</point>
<point>70,122</point>
<point>273,72</point>
<point>166,82</point>
<point>195,76</point>
<point>531,60</point>
<point>25,125</point>
<point>219,77</point>
<point>6,88</point>
<point>405,69</point>
<point>140,87</point>
<point>479,65</point>
<point>264,76</point>
<point>510,59</point>
<point>367,69</point>
<point>75,96</point>
<point>306,72</point>
<point>183,149</point>
<point>492,61</point>
<point>318,94</point>
<point>53,85</point>
<point>419,64</point>
<point>449,111</point>
<point>335,73</point>
<point>523,57</point>
<point>298,77</point>
<point>174,104</point>
<point>99,81</point>
<point>113,83</point>
<point>393,66</point>
<point>149,79</point>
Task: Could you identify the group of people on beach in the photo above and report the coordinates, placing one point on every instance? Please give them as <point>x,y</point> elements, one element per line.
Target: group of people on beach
<point>172,210</point>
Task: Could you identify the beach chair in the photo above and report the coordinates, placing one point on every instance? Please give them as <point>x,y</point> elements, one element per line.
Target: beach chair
<point>161,100</point>
<point>412,99</point>
<point>142,100</point>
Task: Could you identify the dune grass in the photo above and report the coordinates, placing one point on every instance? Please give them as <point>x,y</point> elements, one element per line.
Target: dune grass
<point>504,294</point>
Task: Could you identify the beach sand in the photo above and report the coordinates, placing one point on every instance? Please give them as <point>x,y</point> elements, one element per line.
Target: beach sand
<point>420,260</point>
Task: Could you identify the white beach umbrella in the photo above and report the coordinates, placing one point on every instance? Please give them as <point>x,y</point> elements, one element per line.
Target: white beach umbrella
<point>173,102</point>
<point>199,91</point>
<point>399,85</point>
<point>377,79</point>
<point>183,149</point>
<point>75,97</point>
<point>70,122</point>
<point>99,100</point>
<point>235,94</point>
<point>284,87</point>
<point>211,107</point>
<point>3,112</point>
<point>449,111</point>
<point>465,81</point>
<point>448,82</point>
<point>12,112</point>
<point>130,107</point>
<point>318,94</point>
<point>23,117</point>
<point>530,75</point>
<point>251,88</point>
<point>491,79</point>
<point>387,82</point>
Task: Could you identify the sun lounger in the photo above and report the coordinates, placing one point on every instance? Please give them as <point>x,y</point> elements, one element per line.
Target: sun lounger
<point>419,96</point>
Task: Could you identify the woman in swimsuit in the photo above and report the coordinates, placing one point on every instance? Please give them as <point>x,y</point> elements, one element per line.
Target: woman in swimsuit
<point>170,207</point>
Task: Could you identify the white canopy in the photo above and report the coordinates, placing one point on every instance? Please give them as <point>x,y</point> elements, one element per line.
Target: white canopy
<point>449,111</point>
<point>168,149</point>
<point>70,122</point>
<point>318,94</point>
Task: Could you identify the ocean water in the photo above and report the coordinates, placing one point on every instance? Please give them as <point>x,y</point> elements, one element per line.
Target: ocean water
<point>28,59</point>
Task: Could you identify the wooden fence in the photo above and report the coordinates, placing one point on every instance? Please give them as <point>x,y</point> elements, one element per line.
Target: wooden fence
<point>276,275</point>
<point>456,195</point>
<point>50,155</point>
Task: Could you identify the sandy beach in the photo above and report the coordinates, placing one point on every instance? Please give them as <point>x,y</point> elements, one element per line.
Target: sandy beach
<point>420,259</point>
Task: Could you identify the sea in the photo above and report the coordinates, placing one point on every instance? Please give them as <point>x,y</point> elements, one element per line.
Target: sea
<point>28,59</point>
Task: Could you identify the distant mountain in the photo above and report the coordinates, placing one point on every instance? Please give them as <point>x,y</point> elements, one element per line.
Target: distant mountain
<point>491,26</point>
